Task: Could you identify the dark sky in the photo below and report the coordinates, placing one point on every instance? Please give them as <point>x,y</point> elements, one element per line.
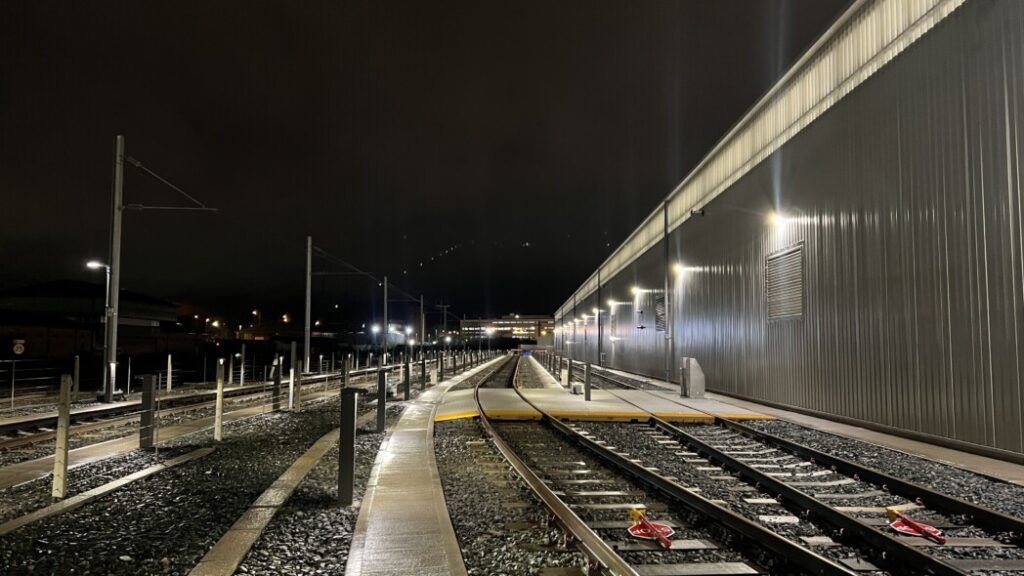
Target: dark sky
<point>531,136</point>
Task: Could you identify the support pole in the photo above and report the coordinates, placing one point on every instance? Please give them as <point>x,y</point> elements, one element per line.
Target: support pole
<point>423,371</point>
<point>170,369</point>
<point>60,455</point>
<point>344,377</point>
<point>218,414</point>
<point>387,327</point>
<point>147,420</point>
<point>382,393</point>
<point>114,285</point>
<point>241,373</point>
<point>347,445</point>
<point>440,367</point>
<point>231,369</point>
<point>309,295</point>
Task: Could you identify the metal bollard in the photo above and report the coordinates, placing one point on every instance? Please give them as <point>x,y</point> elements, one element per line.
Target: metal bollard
<point>423,372</point>
<point>218,414</point>
<point>75,386</point>
<point>275,393</point>
<point>294,388</point>
<point>407,379</point>
<point>147,421</point>
<point>586,381</point>
<point>344,377</point>
<point>241,373</point>
<point>170,368</point>
<point>231,369</point>
<point>60,455</point>
<point>382,393</point>
<point>440,368</point>
<point>347,445</point>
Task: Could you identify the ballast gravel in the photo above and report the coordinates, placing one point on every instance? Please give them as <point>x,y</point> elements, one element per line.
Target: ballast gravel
<point>989,492</point>
<point>165,523</point>
<point>500,524</point>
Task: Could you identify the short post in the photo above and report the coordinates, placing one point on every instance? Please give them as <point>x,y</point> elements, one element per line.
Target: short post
<point>218,414</point>
<point>147,420</point>
<point>423,372</point>
<point>347,445</point>
<point>169,369</point>
<point>275,393</point>
<point>241,372</point>
<point>586,381</point>
<point>344,377</point>
<point>292,388</point>
<point>231,369</point>
<point>76,384</point>
<point>382,393</point>
<point>683,384</point>
<point>407,379</point>
<point>440,367</point>
<point>60,455</point>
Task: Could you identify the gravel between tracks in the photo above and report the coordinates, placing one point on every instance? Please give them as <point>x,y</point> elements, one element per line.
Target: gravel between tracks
<point>165,523</point>
<point>499,522</point>
<point>1002,496</point>
<point>311,534</point>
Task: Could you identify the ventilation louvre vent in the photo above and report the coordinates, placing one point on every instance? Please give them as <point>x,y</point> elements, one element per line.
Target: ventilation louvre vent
<point>659,312</point>
<point>784,284</point>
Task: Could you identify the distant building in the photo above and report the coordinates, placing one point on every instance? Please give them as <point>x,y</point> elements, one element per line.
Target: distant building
<point>515,326</point>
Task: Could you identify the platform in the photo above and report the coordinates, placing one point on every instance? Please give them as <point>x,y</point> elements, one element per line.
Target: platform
<point>403,525</point>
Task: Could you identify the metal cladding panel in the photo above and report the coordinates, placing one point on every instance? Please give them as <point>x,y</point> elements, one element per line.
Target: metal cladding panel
<point>905,197</point>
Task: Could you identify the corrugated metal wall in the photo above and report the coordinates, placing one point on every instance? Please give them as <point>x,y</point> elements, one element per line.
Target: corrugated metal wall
<point>906,198</point>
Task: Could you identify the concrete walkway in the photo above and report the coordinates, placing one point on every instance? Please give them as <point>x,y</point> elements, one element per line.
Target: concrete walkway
<point>403,526</point>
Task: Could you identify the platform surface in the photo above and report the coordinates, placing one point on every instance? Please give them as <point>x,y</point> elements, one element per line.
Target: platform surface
<point>500,404</point>
<point>403,526</point>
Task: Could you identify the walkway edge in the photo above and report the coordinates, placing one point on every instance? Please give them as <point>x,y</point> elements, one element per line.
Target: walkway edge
<point>89,495</point>
<point>227,554</point>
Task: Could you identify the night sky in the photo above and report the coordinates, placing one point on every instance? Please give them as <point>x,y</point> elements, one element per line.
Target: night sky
<point>527,139</point>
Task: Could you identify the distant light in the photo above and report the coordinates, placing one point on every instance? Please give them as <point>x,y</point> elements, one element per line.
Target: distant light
<point>517,316</point>
<point>195,317</point>
<point>634,290</point>
<point>335,306</point>
<point>408,330</point>
<point>447,339</point>
<point>375,328</point>
<point>412,341</point>
<point>95,265</point>
<point>317,323</point>
<point>285,318</point>
<point>776,220</point>
<point>596,311</point>
<point>678,268</point>
<point>255,312</point>
<point>215,324</point>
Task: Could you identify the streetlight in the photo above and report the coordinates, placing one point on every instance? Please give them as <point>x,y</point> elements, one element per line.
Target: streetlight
<point>490,332</point>
<point>96,265</point>
<point>375,329</point>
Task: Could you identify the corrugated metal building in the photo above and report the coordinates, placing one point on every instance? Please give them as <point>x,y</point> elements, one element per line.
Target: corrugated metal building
<point>853,246</point>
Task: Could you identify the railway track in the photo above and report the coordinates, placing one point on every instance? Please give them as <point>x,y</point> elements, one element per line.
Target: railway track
<point>847,500</point>
<point>22,433</point>
<point>590,488</point>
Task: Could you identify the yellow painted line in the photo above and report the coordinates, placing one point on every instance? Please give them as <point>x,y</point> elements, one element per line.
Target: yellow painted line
<point>456,416</point>
<point>743,416</point>
<point>685,417</point>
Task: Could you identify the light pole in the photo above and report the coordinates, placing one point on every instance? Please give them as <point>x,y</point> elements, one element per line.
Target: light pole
<point>96,265</point>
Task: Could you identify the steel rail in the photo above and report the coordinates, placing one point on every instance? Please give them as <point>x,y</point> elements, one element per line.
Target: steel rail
<point>979,515</point>
<point>589,542</point>
<point>793,553</point>
<point>894,553</point>
<point>928,497</point>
